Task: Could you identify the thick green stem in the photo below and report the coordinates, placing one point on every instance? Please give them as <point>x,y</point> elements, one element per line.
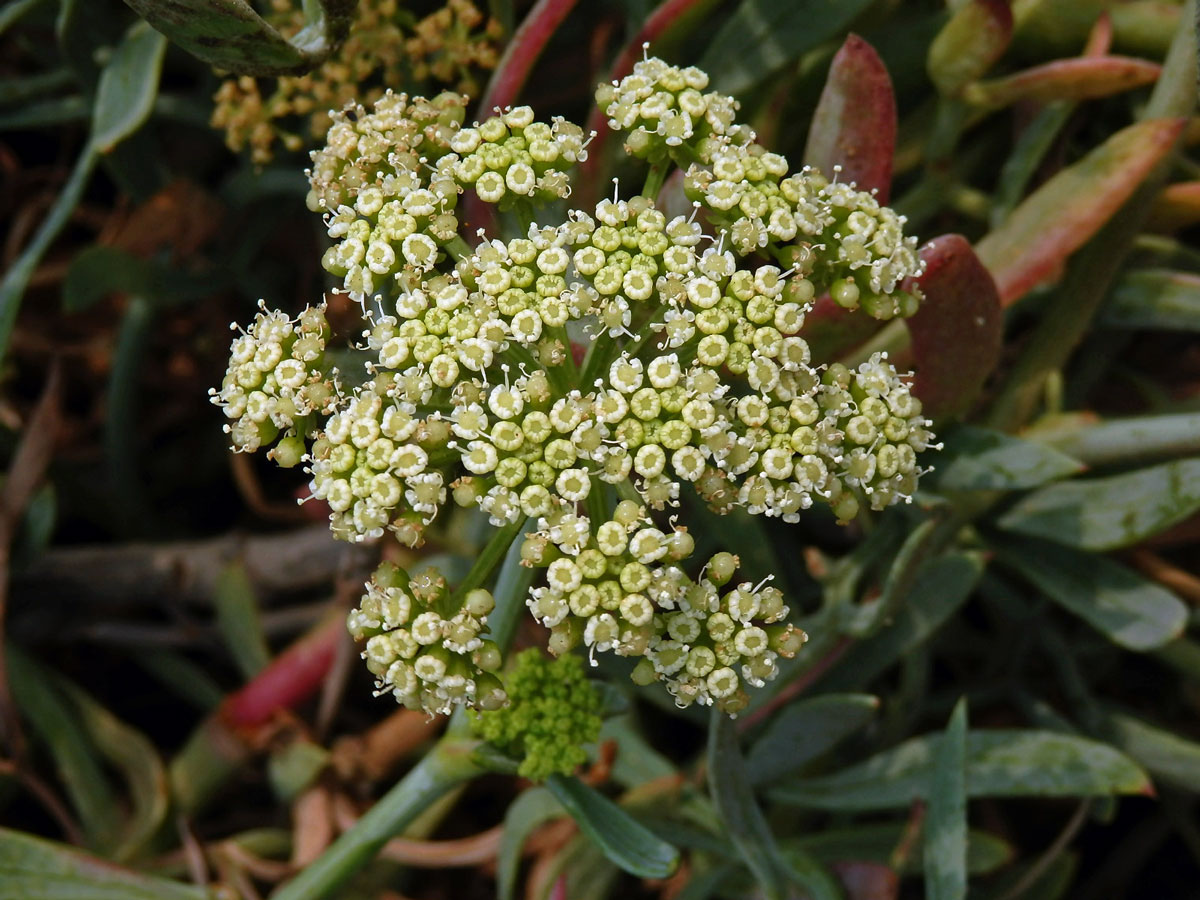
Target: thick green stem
<point>458,248</point>
<point>655,179</point>
<point>448,764</point>
<point>490,557</point>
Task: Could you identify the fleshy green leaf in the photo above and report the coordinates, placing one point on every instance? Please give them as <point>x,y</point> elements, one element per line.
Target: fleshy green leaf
<point>1118,441</point>
<point>127,88</point>
<point>958,330</point>
<point>979,459</point>
<point>35,869</point>
<point>56,723</point>
<point>945,848</point>
<point>531,809</point>
<point>805,730</point>
<point>1107,513</point>
<point>238,620</point>
<point>941,587</point>
<point>741,817</point>
<point>1116,601</point>
<point>12,287</point>
<point>1081,78</point>
<point>100,270</point>
<point>1164,753</point>
<point>875,843</point>
<point>625,841</point>
<point>230,35</point>
<point>968,45</point>
<point>1060,216</point>
<point>1000,763</point>
<point>763,36</point>
<point>1155,298</point>
<point>854,125</point>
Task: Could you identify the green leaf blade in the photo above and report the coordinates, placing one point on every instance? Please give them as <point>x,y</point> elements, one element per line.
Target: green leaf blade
<point>763,36</point>
<point>945,849</point>
<point>36,869</point>
<point>625,841</point>
<point>979,459</point>
<point>804,731</point>
<point>1129,610</point>
<point>1110,513</point>
<point>1000,763</point>
<point>127,88</point>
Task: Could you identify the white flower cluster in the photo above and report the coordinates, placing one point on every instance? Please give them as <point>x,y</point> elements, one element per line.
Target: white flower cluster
<point>663,109</point>
<point>622,588</point>
<point>423,644</point>
<point>390,178</point>
<point>696,379</point>
<point>277,383</point>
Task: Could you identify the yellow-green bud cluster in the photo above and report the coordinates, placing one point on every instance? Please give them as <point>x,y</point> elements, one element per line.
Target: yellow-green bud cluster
<point>667,114</point>
<point>423,642</point>
<point>277,383</point>
<point>553,711</point>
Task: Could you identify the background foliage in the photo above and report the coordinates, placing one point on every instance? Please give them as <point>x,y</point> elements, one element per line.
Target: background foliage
<point>1002,684</point>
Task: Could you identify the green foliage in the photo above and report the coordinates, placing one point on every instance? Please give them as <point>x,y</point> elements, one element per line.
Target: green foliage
<point>552,711</point>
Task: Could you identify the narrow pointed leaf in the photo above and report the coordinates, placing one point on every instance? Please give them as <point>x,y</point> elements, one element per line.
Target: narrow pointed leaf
<point>624,840</point>
<point>531,809</point>
<point>1082,78</point>
<point>942,586</point>
<point>238,620</point>
<point>763,36</point>
<point>1139,438</point>
<point>1000,763</point>
<point>876,843</point>
<point>968,45</point>
<point>945,849</point>
<point>1109,513</point>
<point>979,459</point>
<point>958,331</point>
<point>854,125</point>
<point>1119,603</point>
<point>1059,217</point>
<point>805,730</point>
<point>740,814</point>
<point>1163,753</point>
<point>128,86</point>
<point>35,869</point>
<point>76,762</point>
<point>1178,206</point>
<point>230,35</point>
<point>133,755</point>
<point>1155,298</point>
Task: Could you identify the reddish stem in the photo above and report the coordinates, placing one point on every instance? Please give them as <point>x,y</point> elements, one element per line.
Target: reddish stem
<point>290,679</point>
<point>523,51</point>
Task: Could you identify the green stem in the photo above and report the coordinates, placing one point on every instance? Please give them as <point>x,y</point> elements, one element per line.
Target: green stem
<point>490,557</point>
<point>458,248</point>
<point>512,587</point>
<point>655,179</point>
<point>448,764</point>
